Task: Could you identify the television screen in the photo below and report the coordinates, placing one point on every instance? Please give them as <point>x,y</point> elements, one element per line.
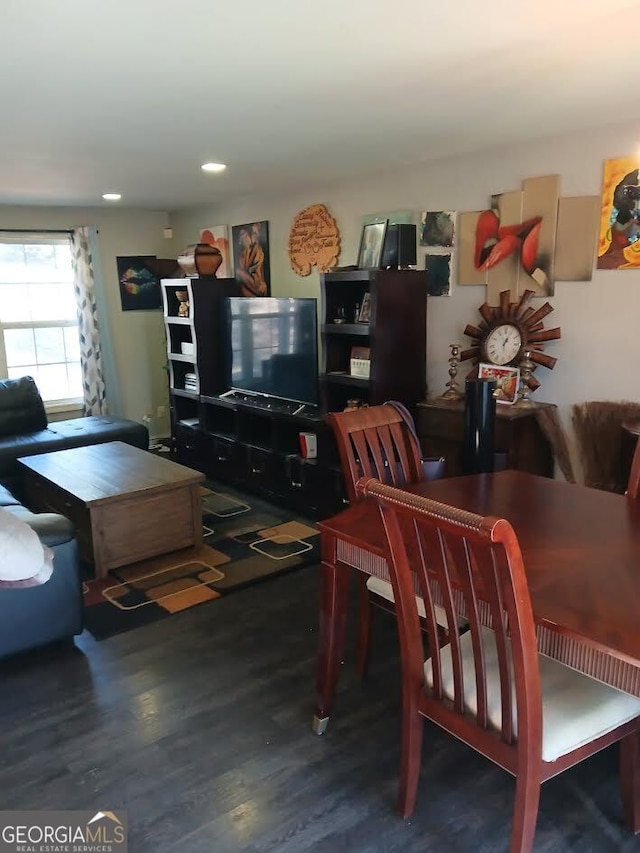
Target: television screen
<point>273,347</point>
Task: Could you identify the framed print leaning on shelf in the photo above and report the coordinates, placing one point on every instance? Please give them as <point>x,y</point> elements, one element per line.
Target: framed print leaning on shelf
<point>365,309</point>
<point>371,243</point>
<point>507,381</point>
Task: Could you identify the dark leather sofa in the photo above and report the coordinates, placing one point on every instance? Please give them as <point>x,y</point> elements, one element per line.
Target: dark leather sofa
<point>36,615</point>
<point>25,431</point>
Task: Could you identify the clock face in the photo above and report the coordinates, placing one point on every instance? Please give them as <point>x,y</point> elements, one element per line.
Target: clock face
<point>503,343</point>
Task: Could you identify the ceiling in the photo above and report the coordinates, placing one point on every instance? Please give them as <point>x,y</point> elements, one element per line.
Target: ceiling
<point>108,95</point>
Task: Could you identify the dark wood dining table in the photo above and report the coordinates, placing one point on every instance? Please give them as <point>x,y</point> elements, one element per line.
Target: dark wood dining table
<point>581,550</point>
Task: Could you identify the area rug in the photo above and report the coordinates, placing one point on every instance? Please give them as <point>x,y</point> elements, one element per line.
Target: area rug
<point>245,540</point>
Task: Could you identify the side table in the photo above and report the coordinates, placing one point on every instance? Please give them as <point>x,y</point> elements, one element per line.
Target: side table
<point>440,426</point>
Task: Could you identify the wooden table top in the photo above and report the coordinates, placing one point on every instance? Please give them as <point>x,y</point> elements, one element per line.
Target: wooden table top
<point>102,472</point>
<point>581,549</point>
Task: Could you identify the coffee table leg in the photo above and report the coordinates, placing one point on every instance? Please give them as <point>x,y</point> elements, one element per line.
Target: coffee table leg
<point>333,621</point>
<point>97,528</point>
<point>196,503</point>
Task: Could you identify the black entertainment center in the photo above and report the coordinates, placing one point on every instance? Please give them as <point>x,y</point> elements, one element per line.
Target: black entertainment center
<point>245,386</point>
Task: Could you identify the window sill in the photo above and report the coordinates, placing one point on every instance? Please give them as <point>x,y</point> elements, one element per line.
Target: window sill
<point>60,406</point>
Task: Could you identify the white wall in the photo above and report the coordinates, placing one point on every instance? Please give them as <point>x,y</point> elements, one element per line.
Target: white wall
<point>137,336</point>
<point>600,346</point>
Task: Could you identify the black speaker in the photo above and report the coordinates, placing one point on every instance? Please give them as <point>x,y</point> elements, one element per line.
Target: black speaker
<point>399,248</point>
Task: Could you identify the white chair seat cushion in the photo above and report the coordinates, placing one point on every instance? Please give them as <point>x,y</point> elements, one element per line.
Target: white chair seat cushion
<point>23,557</point>
<point>385,590</point>
<point>576,709</point>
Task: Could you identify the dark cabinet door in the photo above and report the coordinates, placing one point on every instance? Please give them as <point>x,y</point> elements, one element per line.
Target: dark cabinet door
<point>519,440</point>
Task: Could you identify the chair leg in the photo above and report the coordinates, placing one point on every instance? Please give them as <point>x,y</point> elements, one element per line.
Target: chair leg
<point>365,615</point>
<point>411,756</point>
<point>525,812</point>
<point>630,780</point>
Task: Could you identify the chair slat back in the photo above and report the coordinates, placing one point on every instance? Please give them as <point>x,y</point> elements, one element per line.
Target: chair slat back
<point>633,486</point>
<point>376,442</point>
<point>471,566</point>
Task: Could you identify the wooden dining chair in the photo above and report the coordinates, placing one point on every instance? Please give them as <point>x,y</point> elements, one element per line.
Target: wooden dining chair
<point>376,441</point>
<point>489,687</point>
<point>633,486</point>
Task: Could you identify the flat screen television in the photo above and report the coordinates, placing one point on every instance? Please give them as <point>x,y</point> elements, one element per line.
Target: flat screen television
<point>273,347</point>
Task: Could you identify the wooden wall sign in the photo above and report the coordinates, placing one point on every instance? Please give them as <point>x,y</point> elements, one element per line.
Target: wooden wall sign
<point>314,240</point>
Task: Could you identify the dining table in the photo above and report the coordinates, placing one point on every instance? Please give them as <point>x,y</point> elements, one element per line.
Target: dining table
<point>581,551</point>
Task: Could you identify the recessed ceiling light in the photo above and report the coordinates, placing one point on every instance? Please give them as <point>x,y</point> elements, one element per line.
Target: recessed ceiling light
<point>213,167</point>
<point>111,196</point>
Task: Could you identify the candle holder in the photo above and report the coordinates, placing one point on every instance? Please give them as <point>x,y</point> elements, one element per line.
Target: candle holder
<point>453,392</point>
<point>526,372</point>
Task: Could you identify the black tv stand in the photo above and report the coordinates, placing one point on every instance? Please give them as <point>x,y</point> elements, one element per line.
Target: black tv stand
<point>253,442</point>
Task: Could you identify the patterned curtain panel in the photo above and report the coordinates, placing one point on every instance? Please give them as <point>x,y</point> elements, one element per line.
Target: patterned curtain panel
<point>95,402</point>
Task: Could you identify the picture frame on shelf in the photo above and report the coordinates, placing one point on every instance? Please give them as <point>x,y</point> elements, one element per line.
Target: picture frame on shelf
<point>507,381</point>
<point>371,245</point>
<point>364,316</point>
<point>360,362</point>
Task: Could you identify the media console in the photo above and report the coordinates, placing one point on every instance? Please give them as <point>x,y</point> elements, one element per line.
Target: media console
<point>255,445</point>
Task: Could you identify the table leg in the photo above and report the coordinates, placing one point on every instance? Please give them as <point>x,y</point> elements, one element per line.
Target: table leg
<point>333,621</point>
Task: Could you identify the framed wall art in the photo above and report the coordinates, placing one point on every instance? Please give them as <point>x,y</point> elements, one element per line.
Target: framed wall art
<point>139,284</point>
<point>371,244</point>
<point>507,381</point>
<point>251,258</point>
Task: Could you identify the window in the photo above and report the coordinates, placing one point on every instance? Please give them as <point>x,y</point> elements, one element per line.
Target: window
<point>38,319</point>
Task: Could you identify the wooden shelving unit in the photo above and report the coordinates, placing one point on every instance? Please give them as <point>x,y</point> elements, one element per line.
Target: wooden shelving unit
<point>395,335</point>
<point>198,334</point>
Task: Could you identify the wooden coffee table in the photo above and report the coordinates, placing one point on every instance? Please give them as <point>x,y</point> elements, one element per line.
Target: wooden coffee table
<point>126,504</point>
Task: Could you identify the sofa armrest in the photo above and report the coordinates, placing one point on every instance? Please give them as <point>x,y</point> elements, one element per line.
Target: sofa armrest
<point>53,529</point>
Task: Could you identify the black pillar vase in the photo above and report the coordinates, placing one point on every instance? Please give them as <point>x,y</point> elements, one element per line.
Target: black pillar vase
<point>479,426</point>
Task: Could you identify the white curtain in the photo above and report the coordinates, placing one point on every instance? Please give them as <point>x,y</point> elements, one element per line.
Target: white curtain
<point>95,401</point>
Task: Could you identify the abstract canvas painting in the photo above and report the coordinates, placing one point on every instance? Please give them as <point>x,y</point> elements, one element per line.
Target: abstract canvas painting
<point>437,228</point>
<point>218,236</point>
<point>139,284</point>
<point>619,243</point>
<point>251,258</point>
<point>438,269</point>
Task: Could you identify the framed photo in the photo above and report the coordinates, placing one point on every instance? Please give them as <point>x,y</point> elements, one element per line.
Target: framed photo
<point>371,244</point>
<point>365,309</point>
<point>507,381</point>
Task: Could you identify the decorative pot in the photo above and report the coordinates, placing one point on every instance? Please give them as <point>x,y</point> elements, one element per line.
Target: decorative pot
<point>200,259</point>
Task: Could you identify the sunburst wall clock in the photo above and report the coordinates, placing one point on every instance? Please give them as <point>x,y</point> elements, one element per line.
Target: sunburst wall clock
<point>508,331</point>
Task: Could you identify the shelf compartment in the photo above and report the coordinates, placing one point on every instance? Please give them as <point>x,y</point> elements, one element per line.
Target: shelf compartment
<point>345,329</point>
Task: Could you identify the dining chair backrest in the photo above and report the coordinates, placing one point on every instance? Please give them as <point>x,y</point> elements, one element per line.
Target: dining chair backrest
<point>470,566</point>
<point>633,486</point>
<point>376,442</point>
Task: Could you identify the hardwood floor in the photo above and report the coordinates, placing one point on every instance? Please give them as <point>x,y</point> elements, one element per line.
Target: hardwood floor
<point>199,726</point>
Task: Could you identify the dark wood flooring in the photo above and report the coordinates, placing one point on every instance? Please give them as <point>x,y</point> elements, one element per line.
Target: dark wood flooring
<point>199,726</point>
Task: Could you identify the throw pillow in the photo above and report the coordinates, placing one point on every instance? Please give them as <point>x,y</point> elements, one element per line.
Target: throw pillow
<point>24,560</point>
